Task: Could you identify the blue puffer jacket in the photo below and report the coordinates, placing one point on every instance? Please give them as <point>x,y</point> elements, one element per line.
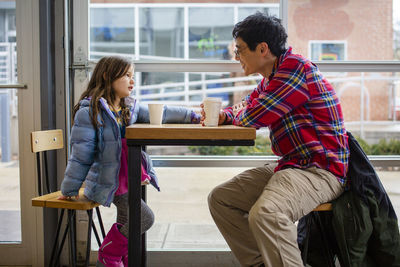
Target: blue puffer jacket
<point>96,153</point>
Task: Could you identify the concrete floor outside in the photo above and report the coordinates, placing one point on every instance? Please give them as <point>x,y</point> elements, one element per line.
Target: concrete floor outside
<point>182,217</point>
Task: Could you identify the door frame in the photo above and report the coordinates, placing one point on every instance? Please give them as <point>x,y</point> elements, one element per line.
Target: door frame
<point>30,250</point>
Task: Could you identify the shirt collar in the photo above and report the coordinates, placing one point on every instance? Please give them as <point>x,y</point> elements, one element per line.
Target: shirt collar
<point>279,61</point>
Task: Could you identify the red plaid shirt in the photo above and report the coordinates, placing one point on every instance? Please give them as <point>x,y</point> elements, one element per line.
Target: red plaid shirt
<point>303,114</point>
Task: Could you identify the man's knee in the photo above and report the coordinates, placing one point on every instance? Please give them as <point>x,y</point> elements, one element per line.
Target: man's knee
<point>220,196</point>
<point>213,196</point>
<point>262,213</point>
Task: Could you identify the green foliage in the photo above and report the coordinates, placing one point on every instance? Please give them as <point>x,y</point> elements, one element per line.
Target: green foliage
<point>262,147</point>
<point>212,150</point>
<point>383,147</point>
<point>364,145</point>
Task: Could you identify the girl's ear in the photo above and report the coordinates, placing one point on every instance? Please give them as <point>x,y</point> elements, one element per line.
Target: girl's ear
<point>104,76</point>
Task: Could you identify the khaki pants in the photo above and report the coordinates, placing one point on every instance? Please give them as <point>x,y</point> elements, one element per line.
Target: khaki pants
<point>256,210</point>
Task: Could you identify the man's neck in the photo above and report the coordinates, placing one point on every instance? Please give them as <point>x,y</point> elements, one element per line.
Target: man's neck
<point>269,65</point>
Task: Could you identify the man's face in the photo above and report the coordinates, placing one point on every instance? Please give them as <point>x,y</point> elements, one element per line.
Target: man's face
<point>249,60</point>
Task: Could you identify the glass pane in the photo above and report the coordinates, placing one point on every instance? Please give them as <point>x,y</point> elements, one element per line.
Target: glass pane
<point>189,89</point>
<point>190,226</point>
<point>210,32</point>
<point>160,39</point>
<point>343,30</point>
<point>328,50</point>
<point>10,210</point>
<point>112,30</point>
<point>247,11</point>
<point>371,108</point>
<point>160,86</point>
<point>163,33</point>
<point>370,102</point>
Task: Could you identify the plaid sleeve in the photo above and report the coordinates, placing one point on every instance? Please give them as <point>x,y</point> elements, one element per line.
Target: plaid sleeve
<point>249,98</point>
<point>286,91</point>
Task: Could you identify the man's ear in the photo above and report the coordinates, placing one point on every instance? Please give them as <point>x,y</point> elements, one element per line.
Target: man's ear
<point>264,49</point>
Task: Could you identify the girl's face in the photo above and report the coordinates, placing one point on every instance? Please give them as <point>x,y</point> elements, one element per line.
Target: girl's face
<point>123,86</point>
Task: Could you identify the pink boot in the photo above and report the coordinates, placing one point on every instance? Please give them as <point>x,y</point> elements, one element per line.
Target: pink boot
<point>113,248</point>
<point>125,260</point>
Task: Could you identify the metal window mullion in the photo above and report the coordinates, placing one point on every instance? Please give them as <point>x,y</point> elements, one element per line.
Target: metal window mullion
<point>186,31</point>
<point>362,106</point>
<point>138,80</point>
<point>138,87</point>
<point>283,13</point>
<point>247,161</point>
<point>232,66</point>
<point>203,85</point>
<point>235,14</point>
<point>178,5</point>
<point>137,33</point>
<point>14,77</point>
<point>186,88</point>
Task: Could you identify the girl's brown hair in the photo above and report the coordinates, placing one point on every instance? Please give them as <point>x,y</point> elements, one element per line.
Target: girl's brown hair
<point>107,70</point>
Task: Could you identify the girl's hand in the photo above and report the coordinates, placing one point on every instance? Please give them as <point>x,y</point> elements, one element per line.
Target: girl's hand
<point>62,197</point>
<point>221,119</point>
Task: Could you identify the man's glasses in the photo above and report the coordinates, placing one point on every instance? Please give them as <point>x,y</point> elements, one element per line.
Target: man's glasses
<point>238,52</point>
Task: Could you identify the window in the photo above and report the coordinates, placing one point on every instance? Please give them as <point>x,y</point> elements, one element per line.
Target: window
<point>161,32</point>
<point>112,30</point>
<point>327,50</point>
<point>164,32</point>
<point>198,36</point>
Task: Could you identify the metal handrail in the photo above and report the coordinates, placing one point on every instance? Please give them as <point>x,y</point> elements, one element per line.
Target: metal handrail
<point>13,86</point>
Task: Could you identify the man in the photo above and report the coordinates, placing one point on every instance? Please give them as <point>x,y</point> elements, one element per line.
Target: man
<point>256,210</point>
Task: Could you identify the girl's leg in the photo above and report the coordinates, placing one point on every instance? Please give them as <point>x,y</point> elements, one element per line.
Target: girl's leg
<point>123,215</point>
<point>114,249</point>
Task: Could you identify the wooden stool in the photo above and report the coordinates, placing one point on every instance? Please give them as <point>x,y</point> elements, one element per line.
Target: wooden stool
<point>44,141</point>
<point>325,207</point>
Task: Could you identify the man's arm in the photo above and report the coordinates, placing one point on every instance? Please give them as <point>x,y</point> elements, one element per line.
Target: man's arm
<point>227,115</point>
<point>286,91</point>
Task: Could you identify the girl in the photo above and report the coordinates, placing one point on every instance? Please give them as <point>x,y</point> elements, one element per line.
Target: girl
<point>99,150</point>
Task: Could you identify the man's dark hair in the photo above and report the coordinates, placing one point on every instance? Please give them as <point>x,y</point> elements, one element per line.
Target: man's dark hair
<point>258,28</point>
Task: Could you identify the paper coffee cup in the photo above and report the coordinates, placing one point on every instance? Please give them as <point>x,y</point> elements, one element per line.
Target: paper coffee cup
<point>156,113</point>
<point>212,107</point>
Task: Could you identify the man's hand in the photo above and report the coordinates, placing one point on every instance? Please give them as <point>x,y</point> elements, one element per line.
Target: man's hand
<point>221,119</point>
<point>238,107</point>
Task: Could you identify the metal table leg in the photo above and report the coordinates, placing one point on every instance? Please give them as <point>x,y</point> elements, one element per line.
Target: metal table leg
<point>135,195</point>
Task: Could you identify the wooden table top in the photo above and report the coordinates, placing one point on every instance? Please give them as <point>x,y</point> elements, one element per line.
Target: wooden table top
<point>189,132</point>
